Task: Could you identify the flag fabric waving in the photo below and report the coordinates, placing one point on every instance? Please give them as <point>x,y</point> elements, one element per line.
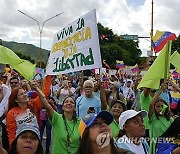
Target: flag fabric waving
<point>175,74</point>
<point>135,68</point>
<point>156,72</point>
<point>160,39</point>
<point>175,59</point>
<point>24,67</point>
<point>119,64</point>
<point>106,65</point>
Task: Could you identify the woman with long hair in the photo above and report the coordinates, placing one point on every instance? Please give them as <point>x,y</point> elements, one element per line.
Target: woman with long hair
<point>96,135</point>
<point>23,110</point>
<point>160,117</point>
<point>65,126</point>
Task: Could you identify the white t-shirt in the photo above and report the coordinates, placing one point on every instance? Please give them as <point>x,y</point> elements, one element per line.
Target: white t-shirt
<point>73,90</point>
<point>53,90</point>
<point>4,102</point>
<point>128,92</point>
<point>63,94</point>
<point>137,149</point>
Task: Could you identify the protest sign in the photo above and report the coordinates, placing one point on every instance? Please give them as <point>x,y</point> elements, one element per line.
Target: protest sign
<point>112,72</point>
<point>76,47</point>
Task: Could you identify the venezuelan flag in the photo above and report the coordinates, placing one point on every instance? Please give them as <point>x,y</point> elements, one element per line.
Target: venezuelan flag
<point>119,64</point>
<point>175,100</point>
<point>160,39</point>
<point>176,75</point>
<point>135,68</point>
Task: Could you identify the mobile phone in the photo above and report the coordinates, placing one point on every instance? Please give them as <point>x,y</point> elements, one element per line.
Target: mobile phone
<point>91,108</point>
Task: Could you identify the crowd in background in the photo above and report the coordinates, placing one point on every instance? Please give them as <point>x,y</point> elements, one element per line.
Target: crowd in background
<point>88,114</point>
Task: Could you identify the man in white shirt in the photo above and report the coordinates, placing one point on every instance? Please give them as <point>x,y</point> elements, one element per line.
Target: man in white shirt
<point>128,94</point>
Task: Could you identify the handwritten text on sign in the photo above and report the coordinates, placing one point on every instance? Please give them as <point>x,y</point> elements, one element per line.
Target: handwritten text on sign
<point>76,47</point>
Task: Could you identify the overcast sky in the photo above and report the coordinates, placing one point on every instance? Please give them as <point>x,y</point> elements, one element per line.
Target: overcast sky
<point>131,17</point>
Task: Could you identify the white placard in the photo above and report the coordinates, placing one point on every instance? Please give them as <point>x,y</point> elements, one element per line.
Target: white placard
<point>76,47</point>
<point>112,72</point>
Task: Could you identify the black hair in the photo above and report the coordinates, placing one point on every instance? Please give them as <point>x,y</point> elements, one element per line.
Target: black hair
<point>85,146</point>
<point>14,77</point>
<point>167,113</point>
<point>161,81</point>
<point>74,113</point>
<point>120,102</point>
<point>121,133</point>
<point>68,134</point>
<point>13,149</point>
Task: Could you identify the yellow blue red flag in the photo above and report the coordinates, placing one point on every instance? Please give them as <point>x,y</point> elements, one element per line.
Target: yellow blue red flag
<point>135,69</point>
<point>119,64</point>
<point>160,39</point>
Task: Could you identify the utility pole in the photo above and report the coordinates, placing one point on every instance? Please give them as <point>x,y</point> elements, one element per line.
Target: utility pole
<point>152,18</point>
<point>40,32</point>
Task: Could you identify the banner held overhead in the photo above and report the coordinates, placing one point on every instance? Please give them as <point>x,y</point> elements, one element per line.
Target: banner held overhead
<point>75,47</point>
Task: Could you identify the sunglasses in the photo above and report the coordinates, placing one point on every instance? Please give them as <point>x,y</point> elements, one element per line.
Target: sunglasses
<point>13,82</point>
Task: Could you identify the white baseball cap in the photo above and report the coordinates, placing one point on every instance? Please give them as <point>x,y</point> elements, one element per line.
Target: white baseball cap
<point>128,115</point>
<point>115,84</point>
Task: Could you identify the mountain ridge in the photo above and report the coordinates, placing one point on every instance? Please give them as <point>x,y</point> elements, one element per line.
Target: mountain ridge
<point>28,50</point>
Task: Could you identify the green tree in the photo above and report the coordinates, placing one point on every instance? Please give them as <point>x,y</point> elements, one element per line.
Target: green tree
<point>176,45</point>
<point>112,48</point>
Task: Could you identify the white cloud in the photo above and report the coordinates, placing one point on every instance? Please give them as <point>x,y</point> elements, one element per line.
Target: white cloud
<point>118,15</point>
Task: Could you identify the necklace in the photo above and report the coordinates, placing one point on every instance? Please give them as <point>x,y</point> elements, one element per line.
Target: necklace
<point>69,140</point>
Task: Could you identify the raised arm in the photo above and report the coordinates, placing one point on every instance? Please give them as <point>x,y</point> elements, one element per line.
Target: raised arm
<point>103,97</point>
<point>11,126</point>
<point>70,91</point>
<point>81,81</point>
<point>154,99</point>
<point>175,85</point>
<point>45,103</point>
<point>146,92</point>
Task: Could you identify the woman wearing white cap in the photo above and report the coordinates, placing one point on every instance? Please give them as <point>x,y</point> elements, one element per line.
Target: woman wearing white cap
<point>133,131</point>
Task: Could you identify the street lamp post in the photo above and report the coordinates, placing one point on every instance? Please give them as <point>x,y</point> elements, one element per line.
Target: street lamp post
<point>40,32</point>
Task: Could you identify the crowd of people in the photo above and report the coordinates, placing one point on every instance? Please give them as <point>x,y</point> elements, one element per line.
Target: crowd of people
<point>88,114</point>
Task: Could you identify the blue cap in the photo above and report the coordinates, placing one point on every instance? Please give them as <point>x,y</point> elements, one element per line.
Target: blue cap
<point>90,118</point>
<point>33,94</point>
<point>105,115</point>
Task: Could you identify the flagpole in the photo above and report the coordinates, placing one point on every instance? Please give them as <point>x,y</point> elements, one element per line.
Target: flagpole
<point>166,61</point>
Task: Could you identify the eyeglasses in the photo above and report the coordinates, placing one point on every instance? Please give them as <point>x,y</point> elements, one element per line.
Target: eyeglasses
<point>13,82</point>
<point>88,87</point>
